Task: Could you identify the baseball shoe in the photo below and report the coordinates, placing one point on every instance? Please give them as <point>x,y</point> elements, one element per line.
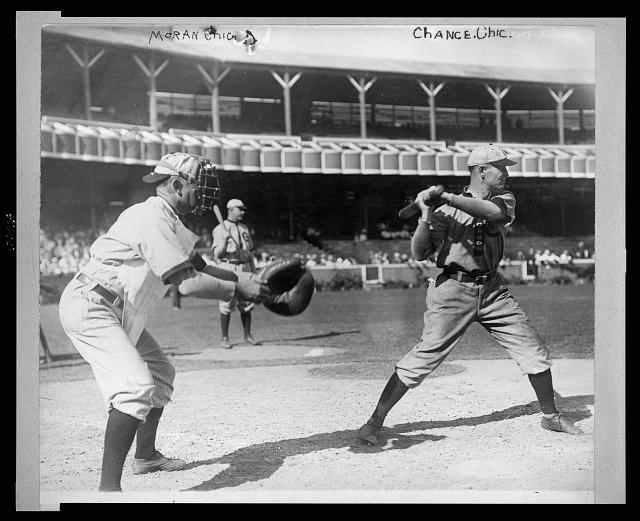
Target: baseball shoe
<point>158,462</point>
<point>249,340</point>
<point>369,432</point>
<point>559,423</point>
<point>224,343</point>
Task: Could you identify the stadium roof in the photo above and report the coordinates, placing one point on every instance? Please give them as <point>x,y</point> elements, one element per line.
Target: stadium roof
<point>554,55</point>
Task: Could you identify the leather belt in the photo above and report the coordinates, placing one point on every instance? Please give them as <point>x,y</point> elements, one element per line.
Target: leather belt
<point>462,276</point>
<point>105,293</point>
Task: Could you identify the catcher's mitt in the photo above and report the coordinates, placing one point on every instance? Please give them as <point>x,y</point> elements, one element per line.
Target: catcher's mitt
<point>291,285</point>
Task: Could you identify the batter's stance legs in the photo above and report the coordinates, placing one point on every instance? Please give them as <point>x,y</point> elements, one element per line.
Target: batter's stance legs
<point>121,429</point>
<point>391,394</point>
<point>552,420</point>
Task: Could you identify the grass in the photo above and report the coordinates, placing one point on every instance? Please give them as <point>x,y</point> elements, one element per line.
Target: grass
<point>371,326</point>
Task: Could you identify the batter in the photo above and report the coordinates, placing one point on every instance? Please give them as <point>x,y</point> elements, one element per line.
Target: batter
<point>467,233</point>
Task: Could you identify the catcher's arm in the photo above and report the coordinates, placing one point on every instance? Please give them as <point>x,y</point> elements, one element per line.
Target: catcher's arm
<point>199,284</point>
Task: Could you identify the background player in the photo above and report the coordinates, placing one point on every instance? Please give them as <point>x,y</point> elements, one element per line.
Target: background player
<point>467,232</point>
<point>104,308</point>
<point>232,249</point>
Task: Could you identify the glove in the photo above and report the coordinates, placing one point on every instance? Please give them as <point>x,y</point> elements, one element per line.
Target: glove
<point>251,288</point>
<point>291,286</point>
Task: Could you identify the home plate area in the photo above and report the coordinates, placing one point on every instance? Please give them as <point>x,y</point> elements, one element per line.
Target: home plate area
<point>263,352</point>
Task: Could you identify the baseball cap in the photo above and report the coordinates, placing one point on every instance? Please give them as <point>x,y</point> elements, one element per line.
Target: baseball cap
<point>236,203</point>
<point>175,163</point>
<point>489,154</point>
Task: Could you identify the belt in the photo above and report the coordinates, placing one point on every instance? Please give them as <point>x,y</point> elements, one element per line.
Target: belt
<point>108,295</point>
<point>233,261</point>
<point>462,276</point>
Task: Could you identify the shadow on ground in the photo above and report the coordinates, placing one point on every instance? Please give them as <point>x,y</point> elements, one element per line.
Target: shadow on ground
<point>260,461</point>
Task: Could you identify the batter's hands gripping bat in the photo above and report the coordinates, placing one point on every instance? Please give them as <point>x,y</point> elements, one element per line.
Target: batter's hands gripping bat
<point>414,208</point>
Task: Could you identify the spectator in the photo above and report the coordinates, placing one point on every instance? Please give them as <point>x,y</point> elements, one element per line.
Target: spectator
<point>565,258</point>
<point>581,251</point>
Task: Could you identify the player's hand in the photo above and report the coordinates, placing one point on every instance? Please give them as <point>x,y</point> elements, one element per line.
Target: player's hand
<point>252,288</point>
<point>429,198</point>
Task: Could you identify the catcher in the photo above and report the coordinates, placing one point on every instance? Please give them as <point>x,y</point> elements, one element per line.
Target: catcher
<point>104,308</point>
<point>467,233</point>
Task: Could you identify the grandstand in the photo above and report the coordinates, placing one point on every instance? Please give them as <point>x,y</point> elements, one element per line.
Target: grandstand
<point>334,141</point>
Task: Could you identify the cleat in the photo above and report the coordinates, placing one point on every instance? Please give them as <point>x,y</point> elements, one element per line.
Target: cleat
<point>559,423</point>
<point>369,432</point>
<point>158,462</point>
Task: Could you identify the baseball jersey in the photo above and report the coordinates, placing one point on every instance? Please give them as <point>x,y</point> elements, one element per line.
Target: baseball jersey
<point>453,233</point>
<point>237,244</point>
<point>145,246</point>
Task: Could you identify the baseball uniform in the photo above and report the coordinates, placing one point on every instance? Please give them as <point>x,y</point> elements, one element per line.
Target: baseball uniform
<point>132,262</point>
<point>467,233</point>
<point>453,304</point>
<point>237,247</point>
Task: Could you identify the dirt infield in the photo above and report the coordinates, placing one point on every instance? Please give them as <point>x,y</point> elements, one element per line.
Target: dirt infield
<point>268,433</point>
<point>276,422</point>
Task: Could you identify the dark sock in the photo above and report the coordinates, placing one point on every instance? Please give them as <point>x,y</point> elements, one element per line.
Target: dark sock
<point>393,391</point>
<point>224,324</point>
<point>246,323</point>
<point>146,434</point>
<point>121,428</point>
<point>543,386</point>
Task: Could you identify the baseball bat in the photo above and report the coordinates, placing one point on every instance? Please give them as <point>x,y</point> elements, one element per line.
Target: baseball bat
<point>413,208</point>
<point>216,210</point>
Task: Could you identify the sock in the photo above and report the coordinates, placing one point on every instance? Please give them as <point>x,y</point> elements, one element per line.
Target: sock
<point>246,324</point>
<point>121,428</point>
<point>391,394</point>
<point>543,386</point>
<point>224,324</point>
<point>146,434</point>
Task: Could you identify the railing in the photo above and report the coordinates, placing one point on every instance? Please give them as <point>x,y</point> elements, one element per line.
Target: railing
<point>108,142</point>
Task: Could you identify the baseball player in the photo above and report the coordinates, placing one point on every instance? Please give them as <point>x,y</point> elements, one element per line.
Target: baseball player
<point>232,250</point>
<point>467,234</point>
<point>104,308</point>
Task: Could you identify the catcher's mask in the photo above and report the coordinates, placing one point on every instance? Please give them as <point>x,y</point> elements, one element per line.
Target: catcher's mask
<point>196,170</point>
<point>207,186</point>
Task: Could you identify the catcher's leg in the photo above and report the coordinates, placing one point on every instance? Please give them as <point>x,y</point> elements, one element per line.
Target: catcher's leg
<point>118,438</point>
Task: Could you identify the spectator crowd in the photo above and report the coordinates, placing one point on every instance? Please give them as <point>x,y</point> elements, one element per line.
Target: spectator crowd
<point>64,252</point>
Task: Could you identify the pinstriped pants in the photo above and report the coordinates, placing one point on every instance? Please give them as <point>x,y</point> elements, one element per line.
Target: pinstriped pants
<point>131,378</point>
<point>452,306</point>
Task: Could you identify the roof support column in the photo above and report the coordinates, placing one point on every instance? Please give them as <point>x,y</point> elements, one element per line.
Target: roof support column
<point>432,92</point>
<point>497,95</point>
<point>213,82</point>
<point>286,83</point>
<point>85,64</point>
<point>151,72</point>
<point>362,89</point>
<point>560,97</point>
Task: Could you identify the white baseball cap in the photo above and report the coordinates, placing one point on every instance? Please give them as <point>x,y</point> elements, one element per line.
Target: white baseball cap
<point>489,154</point>
<point>233,203</point>
<point>173,164</point>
